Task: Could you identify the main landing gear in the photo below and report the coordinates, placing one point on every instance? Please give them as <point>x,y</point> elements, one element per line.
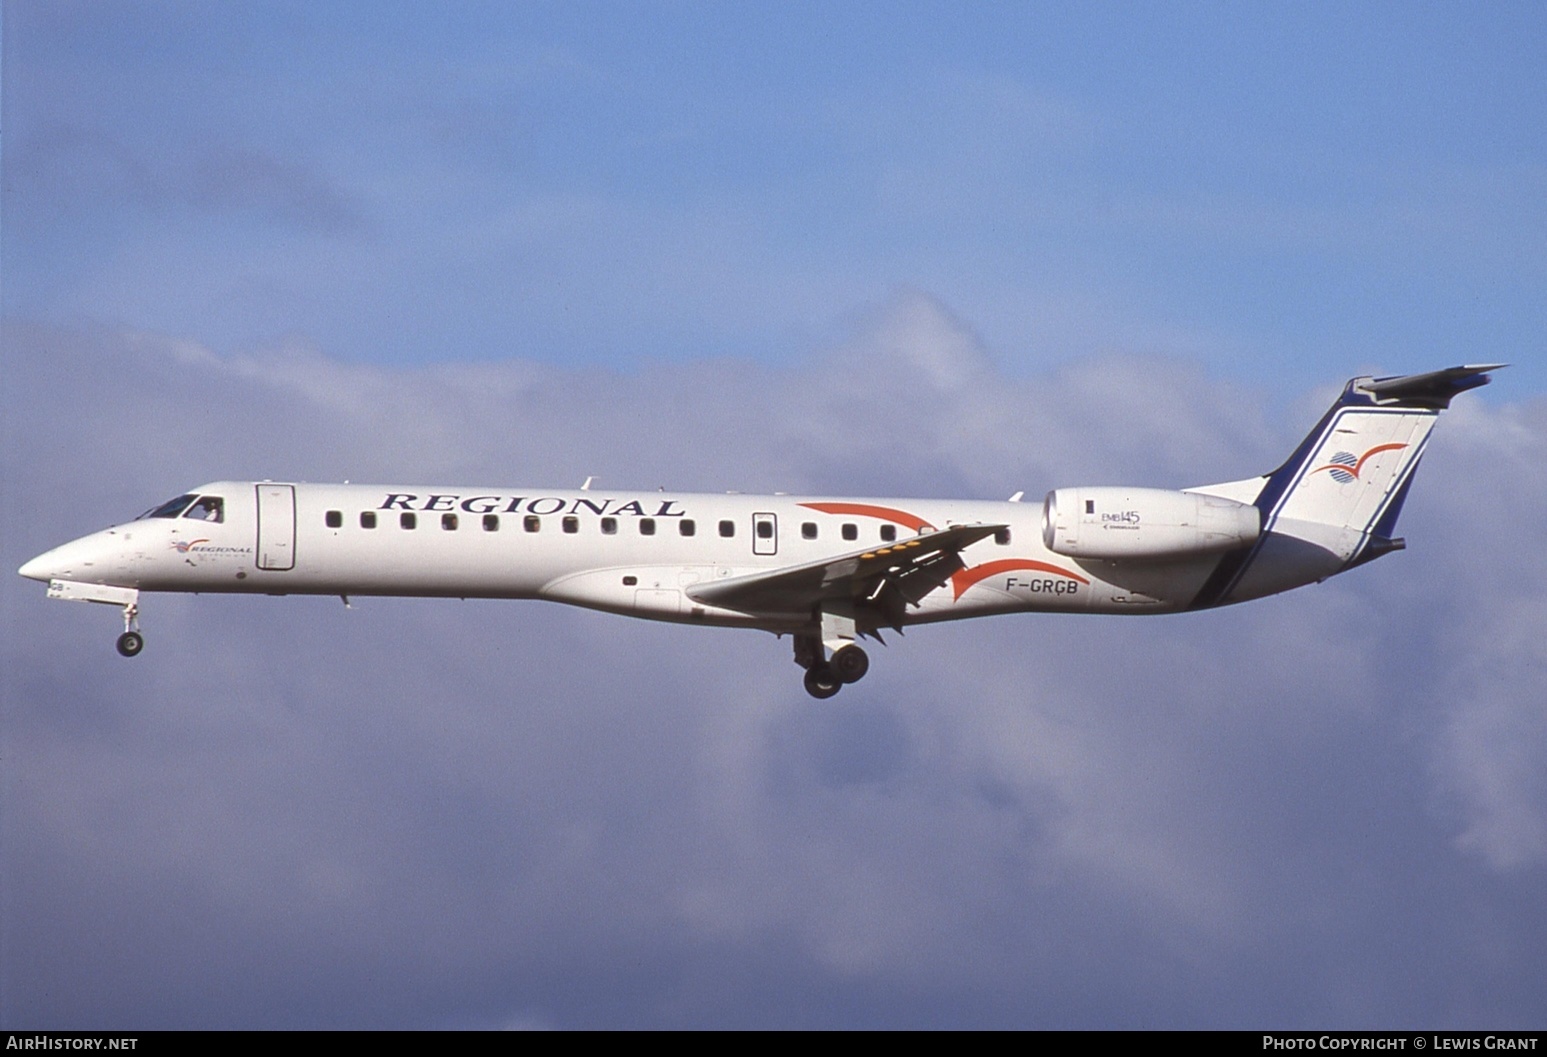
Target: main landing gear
<point>831,659</point>
<point>826,678</point>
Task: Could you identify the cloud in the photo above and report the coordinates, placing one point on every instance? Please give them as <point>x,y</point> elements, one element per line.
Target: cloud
<point>1319,809</point>
<point>1495,729</point>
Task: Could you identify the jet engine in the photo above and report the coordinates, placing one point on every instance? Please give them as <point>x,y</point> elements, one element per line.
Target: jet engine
<point>1120,523</point>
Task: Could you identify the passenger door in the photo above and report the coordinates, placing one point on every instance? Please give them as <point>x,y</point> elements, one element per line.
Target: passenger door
<point>276,527</point>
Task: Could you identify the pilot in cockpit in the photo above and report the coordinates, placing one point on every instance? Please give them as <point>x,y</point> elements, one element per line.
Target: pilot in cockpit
<point>208,508</point>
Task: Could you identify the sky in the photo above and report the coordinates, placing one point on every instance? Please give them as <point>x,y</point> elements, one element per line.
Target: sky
<point>877,249</point>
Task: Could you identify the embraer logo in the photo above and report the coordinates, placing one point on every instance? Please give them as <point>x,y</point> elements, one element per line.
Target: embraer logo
<point>1344,466</point>
<point>492,504</point>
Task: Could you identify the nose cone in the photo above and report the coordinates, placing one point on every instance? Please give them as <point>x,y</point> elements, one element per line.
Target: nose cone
<point>83,559</point>
<point>43,567</point>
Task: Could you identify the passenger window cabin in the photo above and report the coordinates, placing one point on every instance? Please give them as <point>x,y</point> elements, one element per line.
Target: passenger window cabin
<point>367,519</point>
<point>448,522</point>
<point>532,523</point>
<point>570,524</point>
<point>609,526</point>
<point>888,533</point>
<point>491,522</point>
<point>647,526</point>
<point>1002,537</point>
<point>727,529</point>
<point>334,519</point>
<point>687,527</point>
<point>808,530</point>
<point>408,520</point>
<point>850,531</point>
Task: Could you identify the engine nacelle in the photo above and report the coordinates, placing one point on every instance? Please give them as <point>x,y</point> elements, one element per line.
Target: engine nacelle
<point>1119,523</point>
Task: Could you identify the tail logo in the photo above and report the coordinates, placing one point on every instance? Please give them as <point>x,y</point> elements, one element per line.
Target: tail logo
<point>1344,466</point>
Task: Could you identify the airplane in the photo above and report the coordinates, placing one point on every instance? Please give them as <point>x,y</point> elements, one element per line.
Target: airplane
<point>829,572</point>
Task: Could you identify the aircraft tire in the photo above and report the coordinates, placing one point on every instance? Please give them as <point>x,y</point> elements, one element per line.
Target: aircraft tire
<point>822,682</point>
<point>130,643</point>
<point>850,664</point>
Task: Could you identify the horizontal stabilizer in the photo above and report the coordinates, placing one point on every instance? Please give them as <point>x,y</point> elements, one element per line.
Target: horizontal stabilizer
<point>1434,389</point>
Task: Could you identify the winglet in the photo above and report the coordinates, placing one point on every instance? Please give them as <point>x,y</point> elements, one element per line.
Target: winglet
<point>1434,390</point>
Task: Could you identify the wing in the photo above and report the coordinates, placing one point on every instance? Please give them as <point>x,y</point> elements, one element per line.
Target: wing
<point>886,579</point>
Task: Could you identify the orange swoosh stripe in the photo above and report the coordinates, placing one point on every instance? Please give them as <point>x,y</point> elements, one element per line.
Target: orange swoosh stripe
<point>1375,451</point>
<point>1356,467</point>
<point>965,578</point>
<point>885,513</point>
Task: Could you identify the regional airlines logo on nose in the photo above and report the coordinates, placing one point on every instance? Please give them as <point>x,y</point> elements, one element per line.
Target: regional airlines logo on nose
<point>1344,466</point>
<point>200,546</point>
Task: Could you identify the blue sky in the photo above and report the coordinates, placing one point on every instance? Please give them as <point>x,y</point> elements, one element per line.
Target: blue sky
<point>890,249</point>
<point>1281,192</point>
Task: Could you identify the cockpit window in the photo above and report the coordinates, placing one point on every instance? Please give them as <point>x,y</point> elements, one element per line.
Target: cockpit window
<point>171,508</point>
<point>208,508</point>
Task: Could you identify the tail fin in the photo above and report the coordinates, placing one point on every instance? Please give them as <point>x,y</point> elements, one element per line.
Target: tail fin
<point>1334,503</point>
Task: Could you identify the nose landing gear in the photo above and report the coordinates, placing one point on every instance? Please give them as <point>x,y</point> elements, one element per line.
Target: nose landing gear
<point>131,642</point>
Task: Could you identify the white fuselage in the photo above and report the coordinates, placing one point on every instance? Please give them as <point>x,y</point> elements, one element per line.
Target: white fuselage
<point>634,553</point>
